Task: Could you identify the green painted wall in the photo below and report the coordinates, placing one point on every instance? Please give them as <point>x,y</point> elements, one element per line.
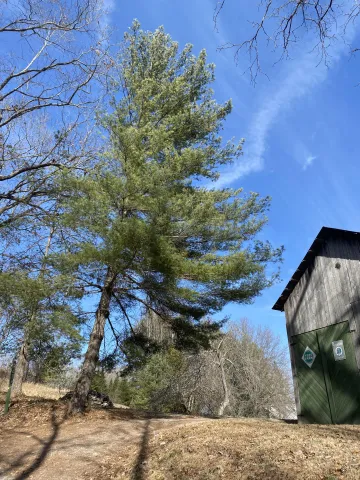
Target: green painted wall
<point>329,390</point>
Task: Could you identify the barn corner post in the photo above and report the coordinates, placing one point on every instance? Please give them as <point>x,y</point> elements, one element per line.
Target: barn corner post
<point>322,308</point>
<point>293,370</point>
<point>354,325</point>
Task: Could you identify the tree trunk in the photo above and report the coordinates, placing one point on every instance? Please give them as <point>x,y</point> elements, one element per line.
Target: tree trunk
<point>20,368</point>
<point>22,364</point>
<point>38,372</point>
<point>27,371</point>
<point>82,387</point>
<point>226,400</point>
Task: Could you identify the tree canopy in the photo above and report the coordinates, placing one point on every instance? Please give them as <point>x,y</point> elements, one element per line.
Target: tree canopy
<point>146,225</point>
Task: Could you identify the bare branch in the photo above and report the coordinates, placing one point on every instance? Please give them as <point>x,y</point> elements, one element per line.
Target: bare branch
<point>124,312</point>
<point>63,71</point>
<point>284,23</point>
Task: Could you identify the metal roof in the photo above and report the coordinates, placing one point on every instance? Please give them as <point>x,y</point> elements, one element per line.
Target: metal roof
<point>322,236</point>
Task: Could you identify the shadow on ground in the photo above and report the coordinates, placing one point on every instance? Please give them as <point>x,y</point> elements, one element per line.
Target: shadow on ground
<point>138,472</point>
<point>39,441</point>
<point>45,447</point>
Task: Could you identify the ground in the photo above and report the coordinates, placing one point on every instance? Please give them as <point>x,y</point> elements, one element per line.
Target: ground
<point>37,442</point>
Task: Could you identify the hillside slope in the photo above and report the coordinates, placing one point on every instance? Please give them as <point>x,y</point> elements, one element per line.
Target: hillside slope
<point>39,443</point>
<point>246,449</point>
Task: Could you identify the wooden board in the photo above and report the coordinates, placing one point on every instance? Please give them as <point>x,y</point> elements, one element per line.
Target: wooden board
<point>341,377</point>
<point>314,399</point>
<point>327,290</point>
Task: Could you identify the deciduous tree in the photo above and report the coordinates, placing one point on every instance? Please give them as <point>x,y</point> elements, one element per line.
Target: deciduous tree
<point>53,71</point>
<point>280,24</point>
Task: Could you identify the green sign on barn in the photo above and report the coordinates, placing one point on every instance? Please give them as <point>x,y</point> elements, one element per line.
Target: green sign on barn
<point>322,308</point>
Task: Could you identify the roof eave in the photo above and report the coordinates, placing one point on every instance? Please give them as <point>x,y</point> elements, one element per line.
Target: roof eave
<point>323,235</point>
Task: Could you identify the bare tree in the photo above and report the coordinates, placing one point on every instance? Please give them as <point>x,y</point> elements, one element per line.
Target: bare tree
<point>282,23</point>
<point>50,82</point>
<point>258,371</point>
<point>246,373</point>
<point>221,356</point>
<point>58,54</point>
<point>31,152</point>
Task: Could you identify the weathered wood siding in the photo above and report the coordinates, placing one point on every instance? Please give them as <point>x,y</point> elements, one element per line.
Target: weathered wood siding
<point>325,294</point>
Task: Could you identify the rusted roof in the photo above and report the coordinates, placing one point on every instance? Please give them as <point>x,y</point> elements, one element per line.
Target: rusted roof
<point>324,234</point>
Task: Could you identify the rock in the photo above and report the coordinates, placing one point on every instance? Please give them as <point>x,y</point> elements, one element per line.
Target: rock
<point>100,399</point>
<point>67,396</point>
<point>94,398</point>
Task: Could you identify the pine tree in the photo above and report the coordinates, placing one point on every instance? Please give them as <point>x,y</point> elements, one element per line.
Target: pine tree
<point>146,228</point>
<point>124,392</point>
<point>98,382</point>
<point>110,388</point>
<point>42,321</point>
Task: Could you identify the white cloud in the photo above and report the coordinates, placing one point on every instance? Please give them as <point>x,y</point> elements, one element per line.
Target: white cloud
<point>299,79</point>
<point>308,161</point>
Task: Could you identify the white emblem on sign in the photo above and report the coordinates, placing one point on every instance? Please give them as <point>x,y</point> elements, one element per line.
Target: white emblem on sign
<point>339,351</point>
<point>309,357</point>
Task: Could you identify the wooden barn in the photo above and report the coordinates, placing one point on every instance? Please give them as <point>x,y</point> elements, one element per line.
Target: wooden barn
<point>322,309</point>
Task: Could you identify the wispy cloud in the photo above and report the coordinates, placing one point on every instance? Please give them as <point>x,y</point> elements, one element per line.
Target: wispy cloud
<point>109,7</point>
<point>301,153</point>
<point>308,161</point>
<point>299,80</point>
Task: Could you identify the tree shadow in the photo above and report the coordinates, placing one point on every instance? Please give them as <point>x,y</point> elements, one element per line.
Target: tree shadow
<point>116,413</point>
<point>139,469</point>
<point>45,449</point>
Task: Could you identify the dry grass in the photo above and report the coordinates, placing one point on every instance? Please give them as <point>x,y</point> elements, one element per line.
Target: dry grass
<point>37,390</point>
<point>243,449</point>
<point>35,412</point>
<point>4,382</point>
<point>43,391</point>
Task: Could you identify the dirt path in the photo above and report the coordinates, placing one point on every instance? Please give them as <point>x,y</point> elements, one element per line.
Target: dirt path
<point>38,442</point>
<point>47,447</point>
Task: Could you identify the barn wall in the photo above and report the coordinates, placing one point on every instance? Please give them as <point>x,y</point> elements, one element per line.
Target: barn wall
<point>326,295</point>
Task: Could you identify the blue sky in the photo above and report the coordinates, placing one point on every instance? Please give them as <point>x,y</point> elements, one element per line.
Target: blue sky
<point>300,127</point>
<point>299,123</point>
